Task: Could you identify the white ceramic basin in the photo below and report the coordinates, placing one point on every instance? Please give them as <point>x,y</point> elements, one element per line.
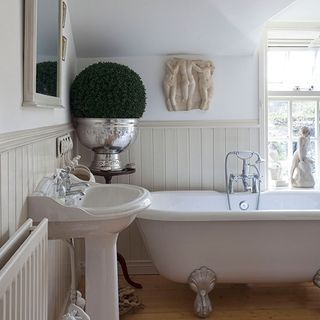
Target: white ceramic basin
<point>103,209</point>
<point>98,216</point>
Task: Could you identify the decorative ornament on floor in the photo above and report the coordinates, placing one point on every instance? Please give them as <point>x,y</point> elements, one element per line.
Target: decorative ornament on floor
<point>188,84</point>
<point>106,101</point>
<point>128,301</point>
<point>301,169</point>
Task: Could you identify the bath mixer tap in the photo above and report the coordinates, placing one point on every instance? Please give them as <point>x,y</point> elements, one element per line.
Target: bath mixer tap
<point>250,181</point>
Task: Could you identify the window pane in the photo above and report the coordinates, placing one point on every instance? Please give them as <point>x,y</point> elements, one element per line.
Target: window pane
<point>278,160</point>
<point>278,150</point>
<point>313,155</point>
<point>303,115</point>
<point>278,119</point>
<point>288,69</point>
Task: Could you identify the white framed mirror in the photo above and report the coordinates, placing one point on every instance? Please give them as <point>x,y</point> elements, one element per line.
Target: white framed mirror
<point>42,53</point>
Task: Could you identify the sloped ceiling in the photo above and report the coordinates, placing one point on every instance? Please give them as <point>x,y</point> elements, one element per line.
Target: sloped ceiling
<point>106,28</point>
<point>301,11</point>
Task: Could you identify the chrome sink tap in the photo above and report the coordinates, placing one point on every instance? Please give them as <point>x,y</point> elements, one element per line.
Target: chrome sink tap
<point>64,184</point>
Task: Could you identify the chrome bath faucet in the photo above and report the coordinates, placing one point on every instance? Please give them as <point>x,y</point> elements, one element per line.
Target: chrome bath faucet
<point>250,180</point>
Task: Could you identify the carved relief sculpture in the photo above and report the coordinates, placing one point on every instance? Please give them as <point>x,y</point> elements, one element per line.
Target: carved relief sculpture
<point>301,169</point>
<point>188,84</point>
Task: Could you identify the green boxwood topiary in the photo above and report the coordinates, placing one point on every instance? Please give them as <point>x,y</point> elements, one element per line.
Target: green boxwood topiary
<point>107,90</point>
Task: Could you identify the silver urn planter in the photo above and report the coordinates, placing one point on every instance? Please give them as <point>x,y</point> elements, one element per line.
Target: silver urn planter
<point>107,138</point>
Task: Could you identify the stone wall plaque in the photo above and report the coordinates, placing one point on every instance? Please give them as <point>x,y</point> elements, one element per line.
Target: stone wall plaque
<point>188,84</point>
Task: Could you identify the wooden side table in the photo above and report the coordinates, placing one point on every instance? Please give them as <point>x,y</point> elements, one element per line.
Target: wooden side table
<point>108,177</point>
<point>109,174</point>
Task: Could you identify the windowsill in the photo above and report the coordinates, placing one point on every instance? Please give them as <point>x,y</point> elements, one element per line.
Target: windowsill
<point>294,94</point>
<point>316,188</point>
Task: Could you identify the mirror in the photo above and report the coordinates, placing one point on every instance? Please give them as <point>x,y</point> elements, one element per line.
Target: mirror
<point>47,47</point>
<point>42,53</point>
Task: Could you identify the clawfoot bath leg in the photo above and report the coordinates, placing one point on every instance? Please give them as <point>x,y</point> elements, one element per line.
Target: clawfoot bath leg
<point>202,281</point>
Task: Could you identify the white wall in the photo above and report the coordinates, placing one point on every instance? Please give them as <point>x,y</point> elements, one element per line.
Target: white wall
<point>22,166</point>
<point>28,158</point>
<point>235,80</point>
<point>12,115</point>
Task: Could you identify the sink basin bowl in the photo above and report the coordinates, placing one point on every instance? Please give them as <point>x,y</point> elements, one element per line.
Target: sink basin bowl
<point>97,216</point>
<point>103,209</point>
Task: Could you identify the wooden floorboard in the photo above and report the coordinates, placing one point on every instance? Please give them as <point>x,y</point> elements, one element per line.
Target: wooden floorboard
<point>166,300</point>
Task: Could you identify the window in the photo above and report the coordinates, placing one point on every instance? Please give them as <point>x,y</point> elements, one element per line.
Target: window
<point>293,79</point>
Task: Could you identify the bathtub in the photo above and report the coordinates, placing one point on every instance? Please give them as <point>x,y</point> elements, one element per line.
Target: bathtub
<point>186,230</point>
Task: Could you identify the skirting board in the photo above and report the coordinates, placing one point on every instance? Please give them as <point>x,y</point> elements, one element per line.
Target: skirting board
<point>140,267</point>
<point>134,267</point>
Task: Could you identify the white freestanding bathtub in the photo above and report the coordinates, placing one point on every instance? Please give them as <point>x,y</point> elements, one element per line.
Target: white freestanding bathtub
<point>187,230</point>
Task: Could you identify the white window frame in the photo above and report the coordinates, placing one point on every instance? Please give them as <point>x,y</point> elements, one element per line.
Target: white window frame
<point>265,95</point>
<point>291,139</point>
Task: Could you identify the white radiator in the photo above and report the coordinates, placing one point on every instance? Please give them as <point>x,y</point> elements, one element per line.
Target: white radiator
<point>24,274</point>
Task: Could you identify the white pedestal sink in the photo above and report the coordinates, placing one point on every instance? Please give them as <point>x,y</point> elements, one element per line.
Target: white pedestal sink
<point>98,217</point>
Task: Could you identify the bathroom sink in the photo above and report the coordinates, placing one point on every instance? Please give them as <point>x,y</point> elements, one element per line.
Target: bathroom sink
<point>98,216</point>
<point>103,209</point>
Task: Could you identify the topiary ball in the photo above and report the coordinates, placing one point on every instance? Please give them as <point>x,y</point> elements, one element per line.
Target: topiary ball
<point>107,90</point>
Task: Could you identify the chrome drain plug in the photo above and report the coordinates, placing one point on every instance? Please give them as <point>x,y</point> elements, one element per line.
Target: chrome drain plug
<point>243,205</point>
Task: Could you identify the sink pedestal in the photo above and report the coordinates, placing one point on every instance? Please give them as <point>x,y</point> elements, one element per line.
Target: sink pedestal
<point>102,277</point>
<point>97,216</point>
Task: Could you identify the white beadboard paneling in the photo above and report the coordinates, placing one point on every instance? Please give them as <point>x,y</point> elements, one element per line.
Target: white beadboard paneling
<point>135,157</point>
<point>254,137</point>
<point>232,145</point>
<point>25,157</point>
<point>25,184</point>
<point>171,173</point>
<point>159,159</point>
<point>195,151</point>
<point>183,155</point>
<point>187,158</point>
<point>175,156</point>
<point>244,139</point>
<point>124,237</point>
<point>146,137</point>
<point>11,140</point>
<point>19,188</point>
<point>4,198</point>
<point>30,171</point>
<point>12,190</point>
<point>207,149</point>
<point>255,146</point>
<point>218,158</point>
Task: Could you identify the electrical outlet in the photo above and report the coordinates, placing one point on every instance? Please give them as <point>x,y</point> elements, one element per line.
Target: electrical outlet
<point>64,145</point>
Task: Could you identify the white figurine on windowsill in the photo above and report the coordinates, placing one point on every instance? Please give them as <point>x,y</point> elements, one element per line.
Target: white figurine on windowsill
<point>275,167</point>
<point>301,169</point>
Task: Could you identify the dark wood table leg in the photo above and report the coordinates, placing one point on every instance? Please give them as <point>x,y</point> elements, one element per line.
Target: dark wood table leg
<point>124,268</point>
<point>108,179</point>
